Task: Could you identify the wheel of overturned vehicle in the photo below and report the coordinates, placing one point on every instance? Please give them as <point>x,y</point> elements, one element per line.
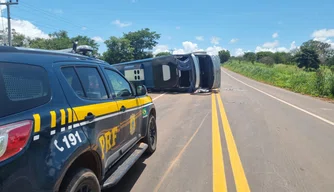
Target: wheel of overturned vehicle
<point>82,180</point>
<point>151,137</point>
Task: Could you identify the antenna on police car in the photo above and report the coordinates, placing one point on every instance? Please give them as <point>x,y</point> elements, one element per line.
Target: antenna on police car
<point>74,46</point>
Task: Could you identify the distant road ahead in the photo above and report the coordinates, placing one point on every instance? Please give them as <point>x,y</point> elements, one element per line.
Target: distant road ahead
<point>250,137</point>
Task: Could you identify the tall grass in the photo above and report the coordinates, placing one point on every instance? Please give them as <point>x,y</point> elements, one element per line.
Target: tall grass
<point>320,83</point>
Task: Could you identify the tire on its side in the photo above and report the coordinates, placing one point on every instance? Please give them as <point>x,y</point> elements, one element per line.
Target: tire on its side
<point>151,146</point>
<point>80,178</point>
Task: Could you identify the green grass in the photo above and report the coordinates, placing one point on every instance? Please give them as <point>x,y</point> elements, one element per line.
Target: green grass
<point>319,83</point>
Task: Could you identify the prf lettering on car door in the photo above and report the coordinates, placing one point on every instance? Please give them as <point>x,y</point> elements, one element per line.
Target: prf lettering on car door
<point>108,140</point>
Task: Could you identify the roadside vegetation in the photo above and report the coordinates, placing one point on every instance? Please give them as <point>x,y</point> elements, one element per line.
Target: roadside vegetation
<point>307,70</point>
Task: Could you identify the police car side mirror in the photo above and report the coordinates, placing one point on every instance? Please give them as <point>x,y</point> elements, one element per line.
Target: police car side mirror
<point>141,90</point>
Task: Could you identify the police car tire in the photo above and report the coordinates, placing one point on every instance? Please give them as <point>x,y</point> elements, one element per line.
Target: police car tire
<point>150,149</point>
<point>82,176</point>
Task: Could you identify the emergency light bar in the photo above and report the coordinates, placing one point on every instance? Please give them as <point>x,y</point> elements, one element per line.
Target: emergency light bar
<point>81,49</point>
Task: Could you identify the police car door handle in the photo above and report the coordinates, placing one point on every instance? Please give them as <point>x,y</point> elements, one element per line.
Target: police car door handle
<point>90,117</point>
<point>123,109</point>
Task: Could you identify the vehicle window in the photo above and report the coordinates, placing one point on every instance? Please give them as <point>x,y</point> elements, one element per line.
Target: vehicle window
<point>73,80</point>
<point>92,83</point>
<point>22,87</point>
<point>120,85</point>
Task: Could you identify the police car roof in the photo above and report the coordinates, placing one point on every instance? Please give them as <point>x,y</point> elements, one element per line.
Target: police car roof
<point>40,55</point>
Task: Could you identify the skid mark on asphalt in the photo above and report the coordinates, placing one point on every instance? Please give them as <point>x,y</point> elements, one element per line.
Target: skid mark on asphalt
<point>240,180</point>
<point>179,156</point>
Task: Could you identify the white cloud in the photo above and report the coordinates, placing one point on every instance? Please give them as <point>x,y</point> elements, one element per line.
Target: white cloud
<point>189,47</point>
<point>239,52</point>
<point>83,28</point>
<point>120,24</point>
<point>275,35</point>
<point>98,39</point>
<point>200,38</point>
<point>278,49</point>
<point>2,7</point>
<point>160,48</point>
<point>324,35</point>
<point>26,28</point>
<point>271,44</point>
<point>282,49</point>
<point>273,47</point>
<point>215,40</point>
<point>177,27</point>
<point>234,40</point>
<point>178,51</point>
<point>293,45</point>
<point>214,50</point>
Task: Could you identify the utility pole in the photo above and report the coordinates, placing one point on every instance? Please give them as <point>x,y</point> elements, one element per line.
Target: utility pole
<point>8,4</point>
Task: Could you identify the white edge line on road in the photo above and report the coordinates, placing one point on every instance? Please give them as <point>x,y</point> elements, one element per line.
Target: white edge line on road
<point>158,96</point>
<point>291,105</point>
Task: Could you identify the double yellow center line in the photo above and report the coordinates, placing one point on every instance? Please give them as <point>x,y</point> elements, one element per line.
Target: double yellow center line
<point>219,179</point>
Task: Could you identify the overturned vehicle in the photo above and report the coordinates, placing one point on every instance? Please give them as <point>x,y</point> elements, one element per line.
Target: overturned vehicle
<point>179,73</point>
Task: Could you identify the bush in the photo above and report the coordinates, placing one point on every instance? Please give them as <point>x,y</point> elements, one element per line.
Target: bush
<point>331,85</point>
<point>320,82</point>
<point>332,68</point>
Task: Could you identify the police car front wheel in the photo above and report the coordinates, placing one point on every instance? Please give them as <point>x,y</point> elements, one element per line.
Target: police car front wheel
<point>82,180</point>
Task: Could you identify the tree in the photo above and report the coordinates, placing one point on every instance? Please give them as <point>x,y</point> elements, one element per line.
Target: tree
<point>308,58</point>
<point>321,48</point>
<point>279,57</point>
<point>38,43</point>
<point>282,57</point>
<point>330,61</point>
<point>261,54</point>
<point>163,54</point>
<point>119,50</point>
<point>142,41</point>
<point>19,40</point>
<point>330,58</point>
<point>224,55</point>
<point>58,40</point>
<point>61,40</point>
<point>250,56</point>
<point>267,60</point>
<point>3,37</point>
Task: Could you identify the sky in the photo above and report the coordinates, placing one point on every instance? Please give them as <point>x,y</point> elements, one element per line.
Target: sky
<point>185,26</point>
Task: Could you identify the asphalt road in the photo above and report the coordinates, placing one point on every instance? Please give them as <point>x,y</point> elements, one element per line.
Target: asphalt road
<point>248,137</point>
